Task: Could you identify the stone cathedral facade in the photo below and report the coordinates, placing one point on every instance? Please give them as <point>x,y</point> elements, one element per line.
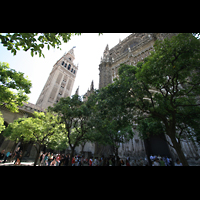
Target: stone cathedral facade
<point>131,50</point>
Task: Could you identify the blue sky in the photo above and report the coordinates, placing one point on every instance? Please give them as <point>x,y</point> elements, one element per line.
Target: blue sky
<point>88,52</point>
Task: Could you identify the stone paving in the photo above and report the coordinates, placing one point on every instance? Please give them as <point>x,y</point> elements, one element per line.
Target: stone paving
<point>21,164</point>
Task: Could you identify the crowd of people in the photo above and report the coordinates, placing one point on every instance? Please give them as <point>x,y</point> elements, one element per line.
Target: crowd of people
<point>15,157</point>
<point>163,161</point>
<point>51,159</point>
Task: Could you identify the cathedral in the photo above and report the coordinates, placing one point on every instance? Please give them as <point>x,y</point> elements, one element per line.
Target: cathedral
<point>131,50</point>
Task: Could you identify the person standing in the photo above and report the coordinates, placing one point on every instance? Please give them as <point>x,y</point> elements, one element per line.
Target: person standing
<point>127,162</point>
<point>82,159</point>
<point>122,162</point>
<point>2,154</point>
<point>90,162</point>
<point>46,160</point>
<point>178,163</point>
<point>42,163</point>
<point>53,163</point>
<point>73,161</point>
<point>156,162</point>
<point>162,163</point>
<point>58,158</point>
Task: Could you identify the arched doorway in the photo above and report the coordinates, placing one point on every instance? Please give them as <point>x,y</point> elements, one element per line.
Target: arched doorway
<point>157,145</point>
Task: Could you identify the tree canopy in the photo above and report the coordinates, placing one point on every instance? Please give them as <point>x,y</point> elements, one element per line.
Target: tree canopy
<point>34,41</point>
<point>75,115</point>
<point>166,88</point>
<point>14,87</point>
<point>42,129</point>
<point>111,121</point>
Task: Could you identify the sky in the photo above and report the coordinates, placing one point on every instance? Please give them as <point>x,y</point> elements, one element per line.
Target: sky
<point>88,52</point>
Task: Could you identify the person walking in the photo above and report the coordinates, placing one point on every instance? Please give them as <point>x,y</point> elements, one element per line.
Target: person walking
<point>73,161</point>
<point>7,155</point>
<point>17,155</point>
<point>42,163</point>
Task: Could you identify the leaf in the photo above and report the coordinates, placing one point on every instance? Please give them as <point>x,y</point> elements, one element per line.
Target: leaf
<point>32,52</point>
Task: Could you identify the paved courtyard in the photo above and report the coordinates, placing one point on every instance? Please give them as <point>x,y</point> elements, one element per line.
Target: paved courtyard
<point>21,164</point>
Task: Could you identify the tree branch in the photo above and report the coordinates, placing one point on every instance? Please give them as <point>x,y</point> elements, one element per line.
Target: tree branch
<point>149,93</point>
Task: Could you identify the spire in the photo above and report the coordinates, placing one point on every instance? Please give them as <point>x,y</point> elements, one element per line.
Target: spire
<point>107,48</point>
<point>92,85</point>
<point>71,51</point>
<point>77,91</point>
<point>70,54</point>
<point>106,52</point>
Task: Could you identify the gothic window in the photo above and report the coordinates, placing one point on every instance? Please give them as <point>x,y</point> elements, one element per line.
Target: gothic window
<point>63,63</point>
<point>69,58</point>
<point>72,70</point>
<point>69,67</point>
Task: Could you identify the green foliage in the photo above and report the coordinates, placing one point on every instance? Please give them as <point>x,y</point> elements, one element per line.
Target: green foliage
<point>148,127</point>
<point>165,88</point>
<point>43,129</point>
<point>34,41</point>
<point>111,122</point>
<point>2,127</point>
<point>13,87</point>
<point>75,115</point>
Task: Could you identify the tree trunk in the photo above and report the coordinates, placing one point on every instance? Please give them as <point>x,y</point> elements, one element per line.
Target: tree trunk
<point>71,155</point>
<point>179,151</point>
<point>38,154</point>
<point>116,156</point>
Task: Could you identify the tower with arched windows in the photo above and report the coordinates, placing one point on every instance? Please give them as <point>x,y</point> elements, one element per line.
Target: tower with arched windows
<point>60,81</point>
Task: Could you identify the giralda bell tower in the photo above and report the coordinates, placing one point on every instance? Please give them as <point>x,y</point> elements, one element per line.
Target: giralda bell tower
<point>60,81</point>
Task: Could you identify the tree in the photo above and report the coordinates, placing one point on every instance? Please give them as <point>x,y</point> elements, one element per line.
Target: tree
<point>34,41</point>
<point>42,129</point>
<point>14,87</point>
<point>111,121</point>
<point>166,88</point>
<point>76,117</point>
<point>2,126</point>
